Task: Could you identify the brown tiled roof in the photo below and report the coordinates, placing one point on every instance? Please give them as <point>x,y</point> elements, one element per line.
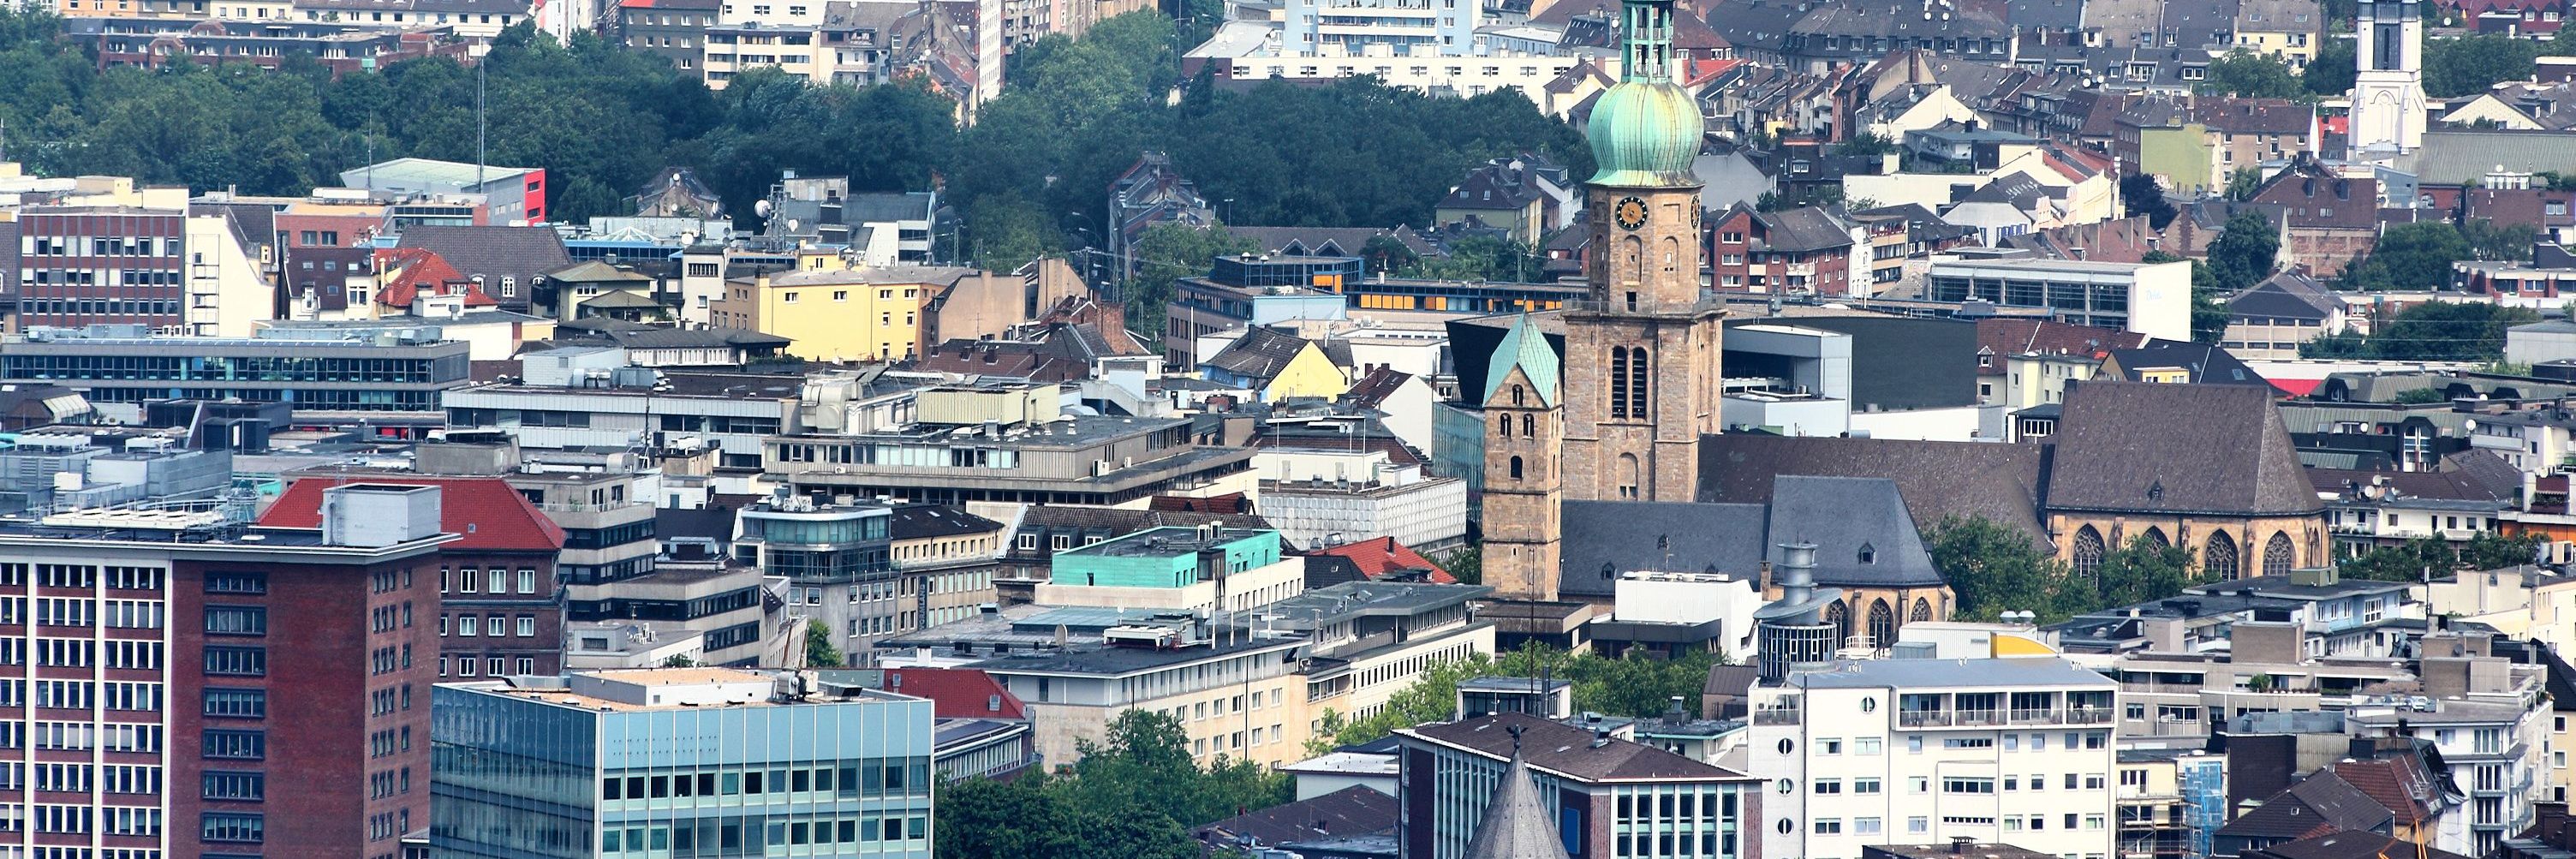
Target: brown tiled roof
<point>2351,844</point>
<point>1567,750</point>
<point>2313,198</point>
<point>2002,336</point>
<point>2398,784</point>
<point>2144,446</point>
<point>1354,810</point>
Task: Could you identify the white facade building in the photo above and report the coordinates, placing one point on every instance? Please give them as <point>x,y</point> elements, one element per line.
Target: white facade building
<point>2017,751</point>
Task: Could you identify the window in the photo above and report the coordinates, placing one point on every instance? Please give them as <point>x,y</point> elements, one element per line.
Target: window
<point>237,703</point>
<point>1918,825</point>
<point>1829,786</point>
<point>236,745</point>
<point>1865,746</point>
<point>237,661</point>
<point>246,828</point>
<point>1960,784</point>
<point>1829,826</point>
<point>243,786</point>
<point>236,620</point>
<point>231,582</point>
<point>1865,786</point>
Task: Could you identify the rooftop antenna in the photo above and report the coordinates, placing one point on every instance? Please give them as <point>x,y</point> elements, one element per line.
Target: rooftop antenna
<point>479,124</point>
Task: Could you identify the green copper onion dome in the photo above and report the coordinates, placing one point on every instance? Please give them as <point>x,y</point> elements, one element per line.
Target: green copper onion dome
<point>1646,130</point>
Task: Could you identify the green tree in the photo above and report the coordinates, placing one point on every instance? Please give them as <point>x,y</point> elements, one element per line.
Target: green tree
<point>1480,258</point>
<point>1994,568</point>
<point>2489,240</point>
<point>1163,255</point>
<point>2145,571</point>
<point>2447,331</point>
<point>2330,74</point>
<point>2246,74</point>
<point>2416,256</point>
<point>2470,65</point>
<point>2246,251</point>
<point>2489,550</point>
<point>1387,255</point>
<point>2140,194</point>
<point>2243,182</point>
<point>1466,564</point>
<point>679,660</point>
<point>820,652</point>
<point>1865,145</point>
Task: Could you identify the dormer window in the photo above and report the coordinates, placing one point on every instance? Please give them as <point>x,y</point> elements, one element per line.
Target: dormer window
<point>1868,554</point>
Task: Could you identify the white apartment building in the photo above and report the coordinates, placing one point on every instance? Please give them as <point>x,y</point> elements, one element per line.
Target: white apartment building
<point>1915,751</point>
<point>1383,44</point>
<point>2491,723</point>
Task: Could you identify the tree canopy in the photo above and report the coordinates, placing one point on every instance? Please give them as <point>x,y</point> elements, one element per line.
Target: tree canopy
<point>2246,74</point>
<point>2431,331</point>
<point>1133,795</point>
<point>1994,569</point>
<point>2470,64</point>
<point>1632,685</point>
<point>2416,256</point>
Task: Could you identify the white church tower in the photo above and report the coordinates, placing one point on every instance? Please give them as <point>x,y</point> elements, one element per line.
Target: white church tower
<point>2388,88</point>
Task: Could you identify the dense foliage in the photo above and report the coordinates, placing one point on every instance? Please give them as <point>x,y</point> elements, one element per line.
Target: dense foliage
<point>1132,796</point>
<point>1994,569</point>
<point>2416,256</point>
<point>2431,331</point>
<point>2415,559</point>
<point>1030,176</point>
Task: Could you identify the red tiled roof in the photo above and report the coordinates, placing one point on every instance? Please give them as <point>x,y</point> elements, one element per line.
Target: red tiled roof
<point>2295,387</point>
<point>2403,789</point>
<point>410,270</point>
<point>487,511</point>
<point>957,693</point>
<point>1378,557</point>
<point>2004,336</point>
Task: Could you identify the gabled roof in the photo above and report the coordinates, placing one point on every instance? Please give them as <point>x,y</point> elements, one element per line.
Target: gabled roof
<point>2287,295</point>
<point>596,271</point>
<point>2398,784</point>
<point>2003,336</point>
<point>1938,479</point>
<point>914,521</point>
<point>2351,844</point>
<point>2143,446</point>
<point>2208,364</point>
<point>1259,354</point>
<point>1379,557</point>
<point>1524,348</point>
<point>1567,750</point>
<point>494,252</point>
<point>957,693</point>
<point>414,271</point>
<point>488,513</point>
<point>1354,810</point>
<point>1605,538</point>
<point>1373,389</point>
<point>1846,517</point>
<point>2321,804</point>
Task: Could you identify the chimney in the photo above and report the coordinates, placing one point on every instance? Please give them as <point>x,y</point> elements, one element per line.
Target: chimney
<point>1959,845</point>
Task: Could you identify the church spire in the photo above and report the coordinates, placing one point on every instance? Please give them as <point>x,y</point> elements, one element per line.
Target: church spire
<point>1646,46</point>
<point>1516,825</point>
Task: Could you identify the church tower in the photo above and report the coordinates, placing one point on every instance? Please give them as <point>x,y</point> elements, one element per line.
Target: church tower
<point>2388,85</point>
<point>1642,351</point>
<point>1524,492</point>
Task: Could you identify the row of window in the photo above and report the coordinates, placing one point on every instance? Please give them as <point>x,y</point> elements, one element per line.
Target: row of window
<point>469,626</point>
<point>728,839</point>
<point>869,777</point>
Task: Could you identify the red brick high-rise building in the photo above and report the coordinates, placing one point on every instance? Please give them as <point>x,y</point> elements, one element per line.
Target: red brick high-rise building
<point>173,684</point>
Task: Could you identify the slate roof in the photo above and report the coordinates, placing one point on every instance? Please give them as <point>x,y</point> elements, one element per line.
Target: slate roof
<point>2141,446</point>
<point>1516,823</point>
<point>487,512</point>
<point>1353,810</point>
<point>2398,784</point>
<point>2453,485</point>
<point>2351,844</point>
<point>1938,479</point>
<point>1332,241</point>
<point>1805,229</point>
<point>2288,295</point>
<point>1844,516</point>
<point>1259,354</point>
<point>2321,804</point>
<point>494,252</point>
<point>913,521</point>
<point>2002,336</point>
<point>1567,750</point>
<point>1374,388</point>
<point>1605,538</point>
<point>1524,347</point>
<point>2209,365</point>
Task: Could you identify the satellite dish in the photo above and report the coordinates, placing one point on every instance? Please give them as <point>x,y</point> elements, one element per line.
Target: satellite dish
<point>761,208</point>
<point>791,225</point>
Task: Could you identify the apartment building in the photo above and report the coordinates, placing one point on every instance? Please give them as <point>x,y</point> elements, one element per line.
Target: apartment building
<point>500,604</point>
<point>1928,750</point>
<point>2153,299</point>
<point>2490,725</point>
<point>1005,442</point>
<point>150,657</point>
<point>663,761</point>
<point>945,559</point>
<point>157,264</point>
<point>124,365</point>
<point>1604,797</point>
<point>1238,697</point>
<point>728,412</point>
<point>1209,570</point>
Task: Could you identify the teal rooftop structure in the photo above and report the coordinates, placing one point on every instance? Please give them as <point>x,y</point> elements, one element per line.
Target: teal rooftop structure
<point>1170,557</point>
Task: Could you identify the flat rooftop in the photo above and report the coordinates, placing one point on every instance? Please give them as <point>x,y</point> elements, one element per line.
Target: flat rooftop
<point>1169,542</point>
<point>1951,673</point>
<point>1114,661</point>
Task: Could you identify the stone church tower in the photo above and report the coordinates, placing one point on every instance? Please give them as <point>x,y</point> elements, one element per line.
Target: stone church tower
<point>1524,490</point>
<point>1642,352</point>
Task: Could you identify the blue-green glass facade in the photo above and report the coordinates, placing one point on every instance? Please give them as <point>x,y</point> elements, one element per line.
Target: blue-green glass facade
<point>521,777</point>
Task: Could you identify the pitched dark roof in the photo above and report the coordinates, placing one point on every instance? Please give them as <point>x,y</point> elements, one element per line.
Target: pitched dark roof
<point>2001,336</point>
<point>2141,446</point>
<point>2351,844</point>
<point>1516,824</point>
<point>1354,810</point>
<point>1938,479</point>
<point>1605,538</point>
<point>914,521</point>
<point>2288,295</point>
<point>2320,804</point>
<point>1374,388</point>
<point>1259,354</point>
<point>1849,518</point>
<point>494,252</point>
<point>2398,784</point>
<point>2209,365</point>
<point>1567,750</point>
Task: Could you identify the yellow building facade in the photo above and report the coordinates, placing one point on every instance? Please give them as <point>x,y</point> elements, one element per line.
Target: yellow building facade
<point>834,315</point>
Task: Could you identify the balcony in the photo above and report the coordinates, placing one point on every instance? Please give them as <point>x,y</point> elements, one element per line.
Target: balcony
<point>1778,716</point>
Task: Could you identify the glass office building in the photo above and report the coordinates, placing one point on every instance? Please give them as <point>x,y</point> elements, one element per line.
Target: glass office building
<point>678,763</point>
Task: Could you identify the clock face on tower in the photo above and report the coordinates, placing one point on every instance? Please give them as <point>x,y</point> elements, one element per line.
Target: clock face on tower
<point>1629,213</point>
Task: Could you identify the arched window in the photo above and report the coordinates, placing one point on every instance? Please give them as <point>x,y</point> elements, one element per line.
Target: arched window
<point>1672,253</point>
<point>1503,426</point>
<point>2088,553</point>
<point>2157,536</point>
<point>1882,624</point>
<point>1516,468</point>
<point>2276,554</point>
<point>1528,424</point>
<point>1618,381</point>
<point>1632,250</point>
<point>1516,395</point>
<point>2222,559</point>
<point>1637,382</point>
<point>1629,474</point>
<point>1841,619</point>
<point>1922,610</point>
